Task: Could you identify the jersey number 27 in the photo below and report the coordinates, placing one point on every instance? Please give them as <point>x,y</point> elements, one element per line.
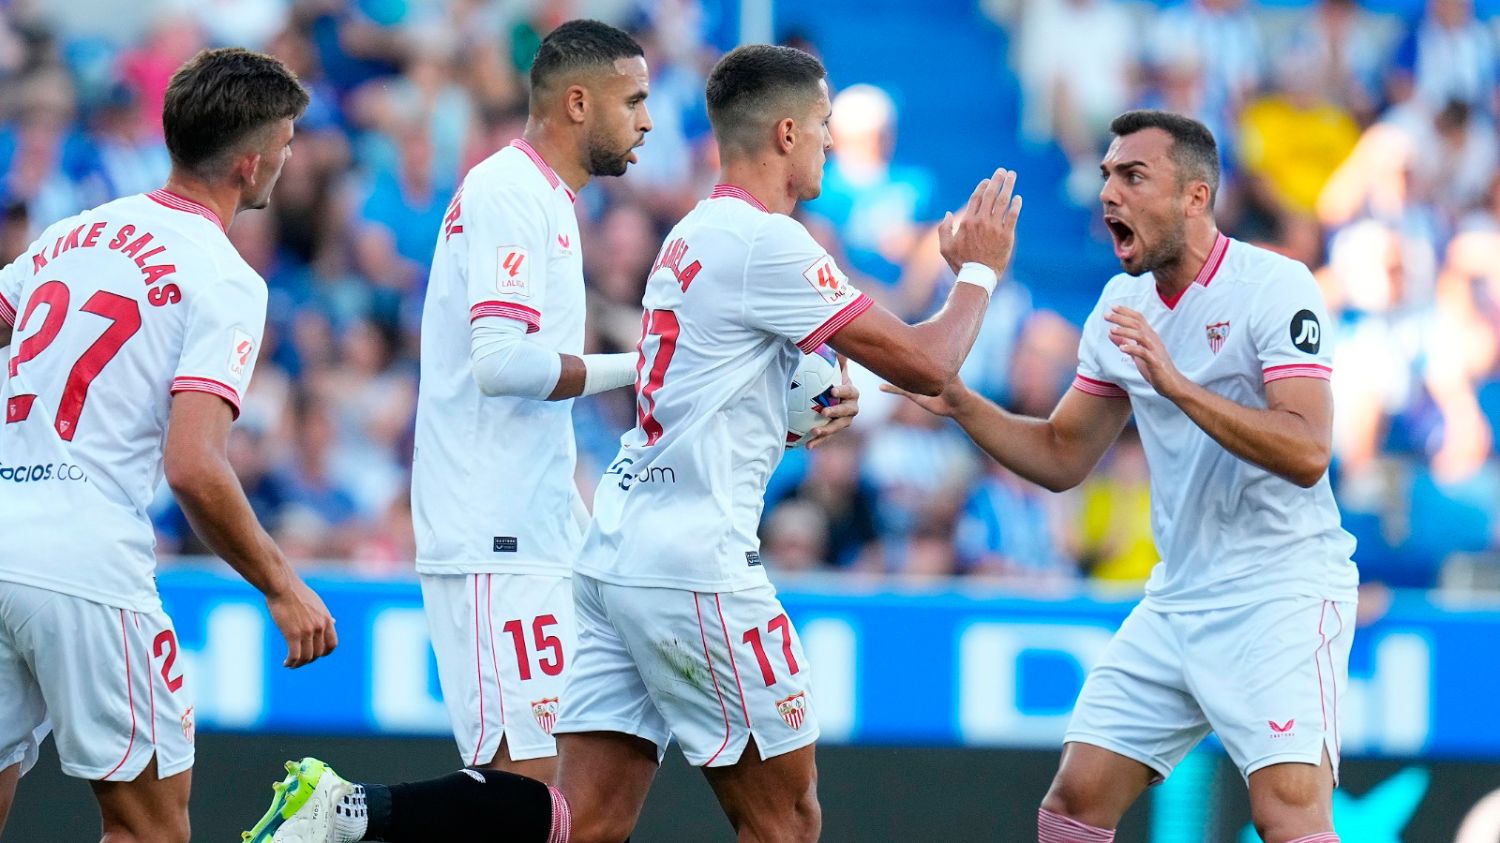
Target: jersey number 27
<point>124,315</point>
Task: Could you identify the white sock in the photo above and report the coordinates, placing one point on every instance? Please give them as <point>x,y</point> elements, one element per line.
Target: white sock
<point>351,819</point>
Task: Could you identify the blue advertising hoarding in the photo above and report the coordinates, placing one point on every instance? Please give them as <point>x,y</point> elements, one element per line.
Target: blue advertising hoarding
<point>935,667</point>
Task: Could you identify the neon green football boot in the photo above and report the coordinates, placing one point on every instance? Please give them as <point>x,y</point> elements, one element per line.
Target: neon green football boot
<point>304,809</point>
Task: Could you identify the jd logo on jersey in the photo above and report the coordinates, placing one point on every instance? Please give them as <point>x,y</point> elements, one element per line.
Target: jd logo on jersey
<point>1307,334</point>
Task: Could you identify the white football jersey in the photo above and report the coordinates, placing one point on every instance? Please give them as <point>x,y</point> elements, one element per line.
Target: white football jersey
<point>1228,532</point>
<point>115,310</point>
<point>492,481</point>
<point>734,294</point>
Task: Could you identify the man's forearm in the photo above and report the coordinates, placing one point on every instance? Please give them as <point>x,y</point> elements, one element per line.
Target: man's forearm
<point>1027,446</point>
<point>1279,441</point>
<point>216,507</point>
<point>950,333</point>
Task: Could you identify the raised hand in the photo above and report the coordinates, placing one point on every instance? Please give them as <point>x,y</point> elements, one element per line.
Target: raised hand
<point>985,230</point>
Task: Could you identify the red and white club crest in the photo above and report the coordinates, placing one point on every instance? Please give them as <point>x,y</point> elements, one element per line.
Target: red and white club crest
<point>545,712</point>
<point>1218,332</point>
<point>793,709</point>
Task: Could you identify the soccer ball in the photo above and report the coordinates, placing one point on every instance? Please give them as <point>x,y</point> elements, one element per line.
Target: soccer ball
<point>812,387</point>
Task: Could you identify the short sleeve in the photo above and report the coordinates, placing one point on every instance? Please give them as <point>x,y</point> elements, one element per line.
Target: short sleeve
<point>1090,377</point>
<point>505,233</point>
<point>11,279</point>
<point>793,287</point>
<point>222,339</point>
<point>1287,327</point>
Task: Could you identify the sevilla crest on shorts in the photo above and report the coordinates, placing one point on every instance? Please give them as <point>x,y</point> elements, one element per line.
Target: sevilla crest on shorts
<point>1218,332</point>
<point>793,709</point>
<point>545,712</point>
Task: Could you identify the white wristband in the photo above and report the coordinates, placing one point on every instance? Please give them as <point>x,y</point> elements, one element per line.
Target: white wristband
<point>979,275</point>
<point>607,371</point>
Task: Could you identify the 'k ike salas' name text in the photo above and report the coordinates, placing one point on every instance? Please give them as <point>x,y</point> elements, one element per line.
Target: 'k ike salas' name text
<point>139,247</point>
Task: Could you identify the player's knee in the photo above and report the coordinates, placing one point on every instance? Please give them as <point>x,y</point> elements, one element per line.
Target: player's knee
<point>1073,799</point>
<point>800,821</point>
<point>1287,805</point>
<point>808,818</point>
<point>152,825</point>
<point>1063,799</point>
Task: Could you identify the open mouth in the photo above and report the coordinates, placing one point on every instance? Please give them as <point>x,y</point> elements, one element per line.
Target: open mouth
<point>1123,235</point>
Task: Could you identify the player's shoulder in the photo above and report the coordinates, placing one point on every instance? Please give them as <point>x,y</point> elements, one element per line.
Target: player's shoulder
<point>1260,272</point>
<point>508,174</point>
<point>778,232</point>
<point>1126,289</point>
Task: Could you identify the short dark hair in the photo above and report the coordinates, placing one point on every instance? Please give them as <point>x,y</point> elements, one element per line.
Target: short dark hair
<point>1194,150</point>
<point>751,80</point>
<point>221,97</point>
<point>580,45</point>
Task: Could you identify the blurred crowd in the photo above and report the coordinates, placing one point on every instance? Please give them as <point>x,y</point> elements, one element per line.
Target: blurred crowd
<point>1361,144</point>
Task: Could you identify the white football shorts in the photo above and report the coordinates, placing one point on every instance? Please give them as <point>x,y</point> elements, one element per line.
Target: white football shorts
<point>710,669</point>
<point>502,643</point>
<point>1268,678</point>
<point>106,681</point>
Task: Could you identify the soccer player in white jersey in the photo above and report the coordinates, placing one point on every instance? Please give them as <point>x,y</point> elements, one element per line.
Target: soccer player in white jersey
<point>495,506</point>
<point>680,633</point>
<point>493,495</point>
<point>136,327</point>
<point>1245,629</point>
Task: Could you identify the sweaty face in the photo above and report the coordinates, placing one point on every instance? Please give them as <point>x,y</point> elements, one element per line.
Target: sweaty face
<point>1143,200</point>
<point>273,157</point>
<point>813,153</point>
<point>618,119</point>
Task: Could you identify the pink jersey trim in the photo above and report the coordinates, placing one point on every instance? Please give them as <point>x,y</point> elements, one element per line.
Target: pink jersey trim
<point>211,386</point>
<point>1104,389</point>
<point>1333,680</point>
<point>723,706</point>
<point>1205,274</point>
<point>729,191</point>
<point>835,323</point>
<point>730,647</point>
<point>541,164</point>
<point>7,313</point>
<point>1215,260</point>
<point>489,611</point>
<point>129,697</point>
<point>478,675</point>
<point>168,199</point>
<point>1298,370</point>
<point>508,310</point>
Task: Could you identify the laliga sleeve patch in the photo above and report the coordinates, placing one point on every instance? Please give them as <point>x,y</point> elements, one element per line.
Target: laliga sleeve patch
<point>830,282</point>
<point>240,352</point>
<point>513,272</point>
<point>1307,334</point>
